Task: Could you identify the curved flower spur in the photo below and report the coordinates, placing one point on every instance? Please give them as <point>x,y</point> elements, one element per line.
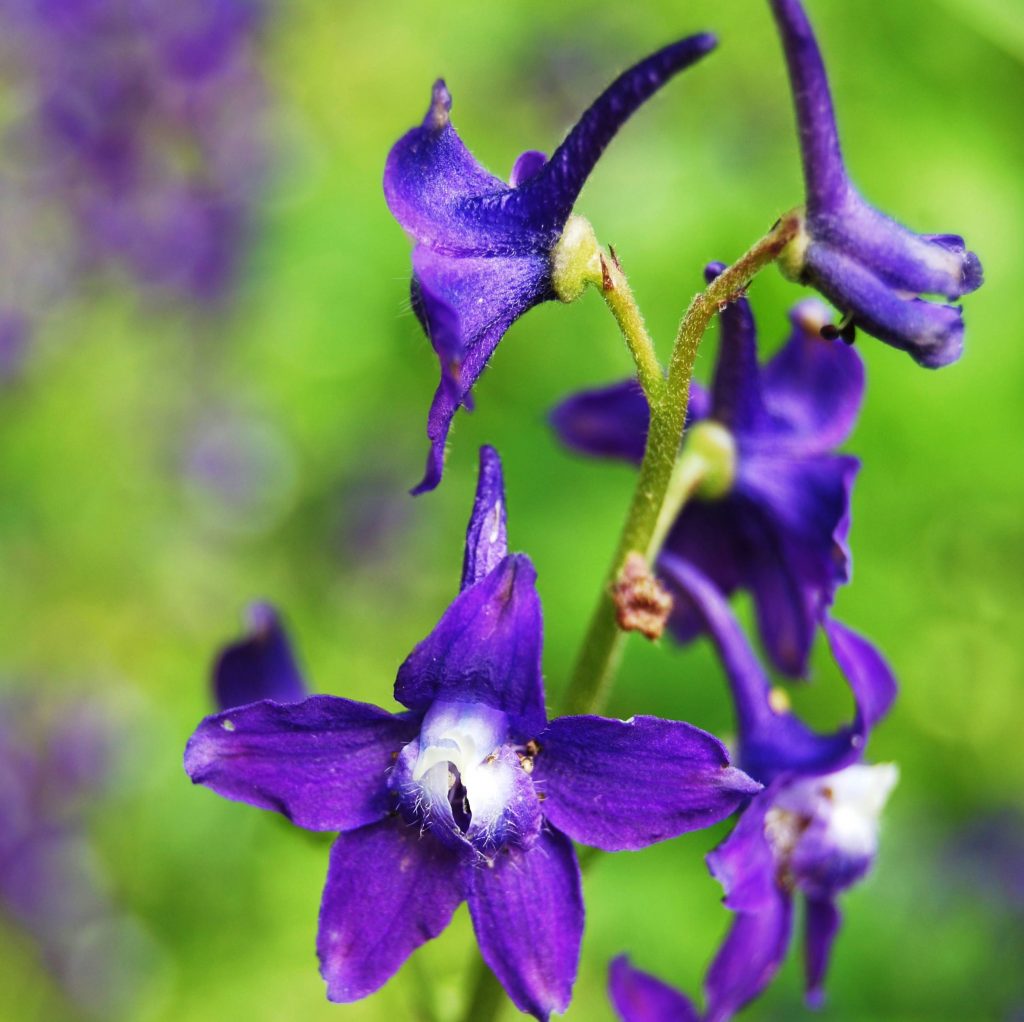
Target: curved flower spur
<point>487,251</point>
<point>471,793</point>
<point>813,830</point>
<point>871,267</point>
<point>774,515</point>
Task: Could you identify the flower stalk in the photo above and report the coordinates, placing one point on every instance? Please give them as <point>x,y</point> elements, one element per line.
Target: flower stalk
<point>590,683</point>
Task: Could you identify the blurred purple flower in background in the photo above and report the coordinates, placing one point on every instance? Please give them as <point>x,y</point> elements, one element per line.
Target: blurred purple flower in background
<point>141,131</point>
<point>777,525</point>
<point>57,763</point>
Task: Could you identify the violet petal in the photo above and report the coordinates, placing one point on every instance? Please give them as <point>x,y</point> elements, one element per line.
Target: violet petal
<point>640,997</point>
<point>388,891</point>
<point>618,785</point>
<point>323,762</point>
<point>260,666</point>
<point>487,533</point>
<point>527,911</point>
<point>486,649</point>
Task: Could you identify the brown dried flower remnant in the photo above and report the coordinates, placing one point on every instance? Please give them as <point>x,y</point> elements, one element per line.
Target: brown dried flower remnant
<point>642,604</point>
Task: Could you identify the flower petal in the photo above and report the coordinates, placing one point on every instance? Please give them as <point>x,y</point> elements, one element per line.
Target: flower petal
<point>485,649</point>
<point>744,863</point>
<point>931,333</point>
<point>640,997</point>
<point>388,891</point>
<point>527,911</point>
<point>527,164</point>
<point>612,421</point>
<point>261,666</point>
<point>323,762</point>
<point>749,959</point>
<point>795,521</point>
<point>822,920</point>
<point>466,305</point>
<point>618,784</point>
<point>736,389</point>
<point>814,387</point>
<point>772,742</point>
<point>869,676</point>
<point>429,177</point>
<point>487,533</point>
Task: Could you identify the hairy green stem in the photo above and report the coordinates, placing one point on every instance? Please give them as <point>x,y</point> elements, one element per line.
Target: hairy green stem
<point>599,656</point>
<point>618,296</point>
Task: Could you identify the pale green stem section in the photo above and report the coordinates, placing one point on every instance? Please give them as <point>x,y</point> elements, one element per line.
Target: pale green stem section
<point>658,489</point>
<point>618,295</point>
<point>602,647</point>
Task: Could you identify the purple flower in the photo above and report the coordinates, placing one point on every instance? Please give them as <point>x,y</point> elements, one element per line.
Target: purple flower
<point>776,521</point>
<point>871,267</point>
<point>485,250</point>
<point>472,793</point>
<point>813,830</point>
<point>144,127</point>
<point>260,666</point>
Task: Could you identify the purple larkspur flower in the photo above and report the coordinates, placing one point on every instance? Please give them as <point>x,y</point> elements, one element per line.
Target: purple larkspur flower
<point>485,249</point>
<point>872,268</point>
<point>812,831</point>
<point>259,666</point>
<point>779,527</point>
<point>471,793</point>
<point>144,124</point>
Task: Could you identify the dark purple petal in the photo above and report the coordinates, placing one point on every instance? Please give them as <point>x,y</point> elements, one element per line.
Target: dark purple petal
<point>466,305</point>
<point>551,193</point>
<point>824,173</point>
<point>736,389</point>
<point>744,863</point>
<point>813,387</point>
<point>611,422</point>
<point>640,997</point>
<point>487,533</point>
<point>323,762</point>
<point>782,534</point>
<point>932,334</point>
<point>261,666</point>
<point>905,261</point>
<point>749,959</point>
<point>388,891</point>
<point>619,785</point>
<point>429,178</point>
<point>772,742</point>
<point>486,649</point>
<point>870,678</point>
<point>526,166</point>
<point>822,920</point>
<point>795,521</point>
<point>527,911</point>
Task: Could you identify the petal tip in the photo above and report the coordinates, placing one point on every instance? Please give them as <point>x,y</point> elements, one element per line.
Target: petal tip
<point>440,106</point>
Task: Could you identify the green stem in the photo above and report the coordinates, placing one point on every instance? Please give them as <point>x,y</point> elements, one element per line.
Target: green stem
<point>599,656</point>
<point>618,295</point>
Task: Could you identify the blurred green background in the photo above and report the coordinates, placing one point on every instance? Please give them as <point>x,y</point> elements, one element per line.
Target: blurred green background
<point>122,572</point>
